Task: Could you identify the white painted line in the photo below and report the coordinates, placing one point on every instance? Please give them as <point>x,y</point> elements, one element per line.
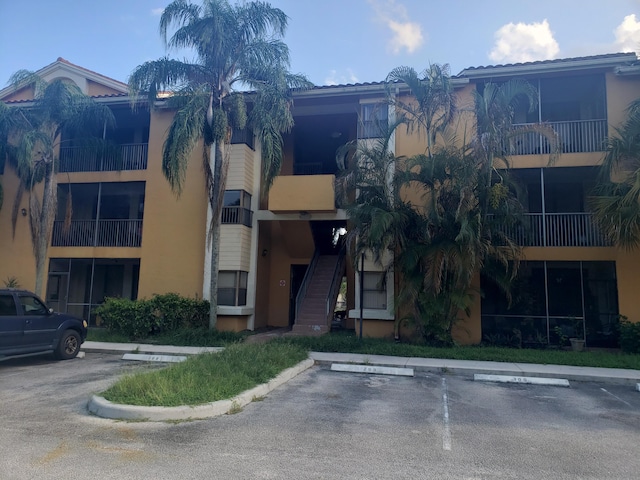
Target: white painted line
<point>80,355</point>
<point>556,382</point>
<point>144,357</point>
<point>446,432</point>
<point>615,396</point>
<point>344,367</point>
<point>638,387</point>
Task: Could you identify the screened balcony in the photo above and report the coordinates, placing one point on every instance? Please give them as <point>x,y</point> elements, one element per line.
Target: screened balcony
<point>126,146</point>
<point>577,136</point>
<point>104,215</point>
<point>574,107</point>
<point>557,230</point>
<point>132,156</point>
<point>558,216</point>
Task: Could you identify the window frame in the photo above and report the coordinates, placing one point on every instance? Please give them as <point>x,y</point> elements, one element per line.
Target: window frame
<point>379,290</point>
<point>240,282</point>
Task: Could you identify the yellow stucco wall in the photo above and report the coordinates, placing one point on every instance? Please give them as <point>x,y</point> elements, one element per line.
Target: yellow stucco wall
<point>228,323</point>
<point>310,193</point>
<point>95,89</point>
<point>172,252</point>
<point>16,253</point>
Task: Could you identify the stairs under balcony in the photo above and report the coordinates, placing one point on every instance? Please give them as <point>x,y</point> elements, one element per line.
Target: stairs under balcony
<point>318,295</point>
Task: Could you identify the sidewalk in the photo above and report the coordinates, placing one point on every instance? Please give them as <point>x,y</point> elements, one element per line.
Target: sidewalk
<point>458,367</point>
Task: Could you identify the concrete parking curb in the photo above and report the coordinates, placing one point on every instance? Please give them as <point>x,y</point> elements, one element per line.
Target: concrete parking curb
<point>103,408</point>
<point>551,382</point>
<point>615,376</point>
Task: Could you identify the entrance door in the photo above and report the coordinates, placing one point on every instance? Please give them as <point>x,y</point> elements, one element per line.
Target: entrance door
<point>297,275</point>
<point>57,291</point>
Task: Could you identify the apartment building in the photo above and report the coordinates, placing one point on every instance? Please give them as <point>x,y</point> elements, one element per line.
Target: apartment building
<point>282,259</point>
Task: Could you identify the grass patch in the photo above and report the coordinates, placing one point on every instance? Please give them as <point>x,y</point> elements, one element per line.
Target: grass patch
<point>349,343</point>
<point>208,377</point>
<point>196,337</point>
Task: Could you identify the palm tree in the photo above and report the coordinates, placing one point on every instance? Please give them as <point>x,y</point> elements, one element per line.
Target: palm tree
<point>30,137</point>
<point>441,213</point>
<point>432,104</point>
<point>236,47</point>
<point>616,200</point>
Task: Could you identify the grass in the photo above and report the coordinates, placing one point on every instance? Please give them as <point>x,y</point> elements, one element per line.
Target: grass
<point>207,377</point>
<point>349,343</point>
<point>192,337</point>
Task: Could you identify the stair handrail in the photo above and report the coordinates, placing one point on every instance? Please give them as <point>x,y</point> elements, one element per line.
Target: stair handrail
<point>336,281</point>
<point>306,280</point>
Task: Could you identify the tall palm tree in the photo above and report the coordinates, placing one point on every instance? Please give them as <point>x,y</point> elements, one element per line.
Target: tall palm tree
<point>616,200</point>
<point>432,104</point>
<point>30,138</point>
<point>236,47</point>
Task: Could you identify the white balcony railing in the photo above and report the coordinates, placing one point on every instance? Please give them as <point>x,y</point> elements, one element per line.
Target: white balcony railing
<point>576,137</point>
<point>131,156</point>
<point>556,230</point>
<point>237,216</point>
<point>97,233</point>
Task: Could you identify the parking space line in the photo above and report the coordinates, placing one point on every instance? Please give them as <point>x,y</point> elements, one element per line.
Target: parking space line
<point>615,396</point>
<point>446,433</point>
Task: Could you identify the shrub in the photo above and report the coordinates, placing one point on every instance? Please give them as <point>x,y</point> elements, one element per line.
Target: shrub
<point>629,336</point>
<point>161,314</point>
<point>133,318</point>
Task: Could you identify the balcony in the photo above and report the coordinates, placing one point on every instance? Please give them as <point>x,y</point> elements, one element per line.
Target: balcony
<point>237,216</point>
<point>98,233</point>
<point>556,230</point>
<point>131,156</point>
<point>577,136</point>
<point>303,193</point>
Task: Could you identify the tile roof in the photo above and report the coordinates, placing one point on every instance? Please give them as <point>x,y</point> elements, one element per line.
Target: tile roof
<point>614,57</point>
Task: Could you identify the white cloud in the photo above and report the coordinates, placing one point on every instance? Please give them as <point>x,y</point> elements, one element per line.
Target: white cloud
<point>334,79</point>
<point>628,34</point>
<point>157,11</point>
<point>406,34</point>
<point>524,42</point>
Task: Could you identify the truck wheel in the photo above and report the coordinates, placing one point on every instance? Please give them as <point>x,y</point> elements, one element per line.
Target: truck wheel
<point>69,345</point>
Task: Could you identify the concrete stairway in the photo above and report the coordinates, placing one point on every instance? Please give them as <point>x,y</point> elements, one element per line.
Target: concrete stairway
<point>312,319</point>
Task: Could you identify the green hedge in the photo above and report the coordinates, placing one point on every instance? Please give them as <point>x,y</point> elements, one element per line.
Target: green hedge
<point>629,336</point>
<point>139,319</point>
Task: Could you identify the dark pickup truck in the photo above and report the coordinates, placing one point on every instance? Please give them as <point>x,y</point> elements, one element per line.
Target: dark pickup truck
<point>28,326</point>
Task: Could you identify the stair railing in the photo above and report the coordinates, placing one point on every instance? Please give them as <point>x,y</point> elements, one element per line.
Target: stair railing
<point>306,280</point>
<point>336,281</point>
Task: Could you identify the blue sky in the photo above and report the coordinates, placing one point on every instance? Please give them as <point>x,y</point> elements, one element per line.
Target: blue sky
<point>331,41</point>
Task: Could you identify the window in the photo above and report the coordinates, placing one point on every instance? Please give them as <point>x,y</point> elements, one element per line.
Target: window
<point>232,288</point>
<point>7,305</point>
<point>237,208</point>
<point>245,135</point>
<point>32,306</point>
<point>374,290</point>
<point>374,121</point>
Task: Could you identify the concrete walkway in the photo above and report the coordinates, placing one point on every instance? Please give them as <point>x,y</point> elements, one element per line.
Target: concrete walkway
<point>438,365</point>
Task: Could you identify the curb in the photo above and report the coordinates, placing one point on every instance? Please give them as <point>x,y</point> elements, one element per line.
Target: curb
<point>456,367</point>
<point>104,408</point>
<point>552,382</point>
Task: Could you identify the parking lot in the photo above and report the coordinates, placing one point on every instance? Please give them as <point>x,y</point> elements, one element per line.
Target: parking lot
<point>321,425</point>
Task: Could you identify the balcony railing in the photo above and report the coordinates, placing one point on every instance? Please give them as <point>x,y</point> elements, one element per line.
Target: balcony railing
<point>98,233</point>
<point>132,156</point>
<point>575,136</point>
<point>556,230</point>
<point>237,216</point>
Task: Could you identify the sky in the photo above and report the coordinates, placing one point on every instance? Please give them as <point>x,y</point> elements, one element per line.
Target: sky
<point>330,41</point>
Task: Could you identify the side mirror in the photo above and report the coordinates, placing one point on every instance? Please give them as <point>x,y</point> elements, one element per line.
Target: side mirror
<point>50,311</point>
